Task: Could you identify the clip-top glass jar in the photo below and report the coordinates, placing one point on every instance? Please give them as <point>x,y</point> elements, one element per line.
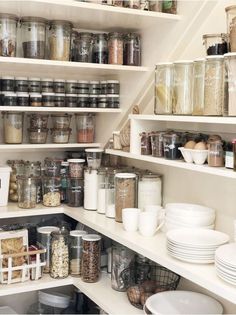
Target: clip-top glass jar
<point>76,251</point>
<point>8,25</point>
<point>85,41</point>
<point>215,44</point>
<point>198,86</point>
<point>85,128</point>
<point>115,48</point>
<point>149,190</point>
<point>231,26</point>
<point>27,196</point>
<point>132,50</point>
<point>13,127</point>
<point>216,153</point>
<point>100,48</point>
<point>51,191</point>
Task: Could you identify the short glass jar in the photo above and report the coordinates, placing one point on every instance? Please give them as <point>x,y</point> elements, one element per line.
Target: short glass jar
<point>26,188</point>
<point>75,192</point>
<point>100,48</point>
<point>52,167</point>
<point>48,99</point>
<point>76,252</point>
<point>59,99</point>
<point>112,87</point>
<point>113,101</point>
<point>76,168</point>
<point>102,101</point>
<point>9,99</point>
<point>85,124</point>
<point>35,99</point>
<point>8,33</point>
<point>21,84</point>
<point>71,100</point>
<point>172,142</point>
<point>13,127</point>
<point>38,121</point>
<point>34,85</point>
<point>59,86</point>
<point>216,154</point>
<point>132,50</point>
<point>47,85</point>
<point>115,48</point>
<point>8,84</point>
<point>61,135</point>
<point>61,121</point>
<point>37,136</point>
<point>93,101</point>
<point>83,100</point>
<point>215,44</point>
<point>22,99</point>
<point>51,191</point>
<point>94,87</point>
<point>85,46</point>
<point>83,87</point>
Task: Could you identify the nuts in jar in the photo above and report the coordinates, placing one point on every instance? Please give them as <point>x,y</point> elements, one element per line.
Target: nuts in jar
<point>76,168</point>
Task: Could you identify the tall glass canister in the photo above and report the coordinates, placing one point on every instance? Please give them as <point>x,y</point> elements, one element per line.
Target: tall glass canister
<point>102,190</point>
<point>27,192</point>
<point>183,80</point>
<point>149,190</point>
<point>8,27</point>
<point>214,86</point>
<point>110,196</point>
<point>164,88</point>
<point>100,48</point>
<point>198,86</point>
<point>76,251</point>
<point>13,127</point>
<point>230,65</point>
<point>231,26</point>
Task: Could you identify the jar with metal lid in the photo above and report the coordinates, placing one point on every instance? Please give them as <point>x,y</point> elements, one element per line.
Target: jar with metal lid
<point>183,79</point>
<point>59,86</point>
<point>85,124</point>
<point>164,80</point>
<point>157,143</point>
<point>35,99</point>
<point>75,192</point>
<point>59,260</point>
<point>71,100</point>
<point>155,5</point>
<point>34,85</point>
<point>112,87</point>
<point>113,101</point>
<point>216,154</point>
<point>51,191</point>
<point>85,47</point>
<point>76,168</point>
<point>215,44</point>
<point>76,252</point>
<point>48,99</point>
<point>83,87</point>
<point>115,48</point>
<point>91,258</point>
<point>125,193</point>
<point>90,189</point>
<point>9,99</point>
<point>102,189</point>
<point>214,86</point>
<point>133,4</point>
<point>230,67</point>
<point>59,99</point>
<point>172,142</point>
<point>94,87</point>
<point>102,101</point>
<point>61,121</point>
<point>22,99</point>
<point>149,190</point>
<point>93,101</point>
<point>145,141</point>
<point>52,167</point>
<point>8,83</point>
<point>38,120</point>
<point>231,26</point>
<point>83,100</point>
<point>132,50</point>
<point>59,40</point>
<point>47,85</point>
<point>37,136</point>
<point>26,188</point>
<point>74,46</point>
<point>71,86</point>
<point>13,127</point>
<point>103,87</point>
<point>100,48</point>
<point>8,32</point>
<point>169,6</point>
<point>198,86</point>
<point>43,242</point>
<point>33,33</point>
<point>21,84</point>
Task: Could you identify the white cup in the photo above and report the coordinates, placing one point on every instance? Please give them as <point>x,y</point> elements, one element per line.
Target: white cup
<point>149,223</point>
<point>130,218</point>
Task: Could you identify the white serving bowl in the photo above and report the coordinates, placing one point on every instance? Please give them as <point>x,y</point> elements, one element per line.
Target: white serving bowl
<point>199,156</point>
<point>191,220</point>
<point>169,226</point>
<point>187,154</point>
<point>190,225</point>
<point>189,209</point>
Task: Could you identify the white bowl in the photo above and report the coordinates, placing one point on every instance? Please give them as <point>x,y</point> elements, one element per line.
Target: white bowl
<point>189,209</point>
<point>187,154</point>
<point>169,226</point>
<point>190,225</point>
<point>191,220</point>
<point>199,156</point>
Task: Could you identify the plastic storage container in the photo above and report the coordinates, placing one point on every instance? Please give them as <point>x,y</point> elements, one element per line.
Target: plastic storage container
<point>85,46</point>
<point>75,192</point>
<point>8,27</point>
<point>93,101</point>
<point>115,48</point>
<point>76,168</point>
<point>4,184</point>
<point>51,191</point>
<point>74,46</point>
<point>90,189</point>
<point>149,190</point>
<point>27,192</point>
<point>100,48</point>
<point>102,101</point>
<point>132,50</point>
<point>110,196</point>
<point>85,124</point>
<point>215,44</point>
<point>13,127</point>
<point>231,26</point>
<point>94,157</point>
<point>198,86</point>
<point>111,87</point>
<point>76,252</point>
<point>94,87</point>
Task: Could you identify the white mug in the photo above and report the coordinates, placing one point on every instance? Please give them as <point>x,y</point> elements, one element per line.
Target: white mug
<point>149,223</point>
<point>158,210</point>
<point>130,218</point>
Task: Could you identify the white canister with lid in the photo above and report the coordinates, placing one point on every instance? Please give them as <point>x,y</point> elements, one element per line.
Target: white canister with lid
<point>4,184</point>
<point>90,189</point>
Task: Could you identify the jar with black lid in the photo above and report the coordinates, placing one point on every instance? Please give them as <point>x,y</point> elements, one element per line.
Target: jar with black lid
<point>71,87</point>
<point>34,85</point>
<point>85,41</point>
<point>22,99</point>
<point>113,100</point>
<point>103,87</point>
<point>75,192</point>
<point>102,101</point>
<point>113,87</point>
<point>132,50</point>
<point>59,86</point>
<point>83,87</point>
<point>94,87</point>
<point>48,99</point>
<point>83,100</point>
<point>59,99</point>
<point>71,100</point>
<point>93,101</point>
<point>100,48</point>
<point>35,99</point>
<point>47,85</point>
<point>9,99</point>
<point>21,84</point>
<point>172,142</point>
<point>8,83</point>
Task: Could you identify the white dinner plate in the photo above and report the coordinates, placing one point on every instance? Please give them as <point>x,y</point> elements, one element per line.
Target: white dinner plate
<point>224,265</point>
<point>227,253</point>
<point>190,254</point>
<point>225,276</point>
<point>226,279</point>
<point>191,260</point>
<point>192,250</point>
<point>197,247</point>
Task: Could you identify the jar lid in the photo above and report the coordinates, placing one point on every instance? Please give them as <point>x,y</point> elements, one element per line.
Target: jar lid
<point>54,299</point>
<point>214,35</point>
<point>35,95</point>
<point>61,22</point>
<point>47,80</point>
<point>94,150</point>
<point>103,82</point>
<point>21,78</point>
<point>33,19</point>
<point>113,81</point>
<point>22,94</point>
<point>71,81</point>
<point>8,78</point>
<point>94,82</point>
<point>91,237</point>
<point>34,79</point>
<point>78,233</point>
<point>231,7</point>
<point>125,175</point>
<point>60,81</point>
<point>9,94</point>
<point>71,95</point>
<point>9,16</point>
<point>76,160</point>
<point>60,94</point>
<point>183,61</point>
<point>48,94</point>
<point>164,63</point>
<point>82,95</point>
<point>47,229</point>
<point>102,95</point>
<point>214,57</point>
<point>199,60</point>
<point>113,95</point>
<point>83,81</point>
<point>232,54</point>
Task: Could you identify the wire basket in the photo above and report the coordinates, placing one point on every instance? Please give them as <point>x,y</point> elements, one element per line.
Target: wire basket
<point>147,280</point>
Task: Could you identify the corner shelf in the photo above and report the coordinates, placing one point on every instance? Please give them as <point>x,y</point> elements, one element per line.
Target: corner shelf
<point>32,109</point>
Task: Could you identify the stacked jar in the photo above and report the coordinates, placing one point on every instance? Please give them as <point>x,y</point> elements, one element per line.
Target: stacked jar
<point>61,130</point>
<point>38,128</point>
<point>85,124</point>
<point>76,182</point>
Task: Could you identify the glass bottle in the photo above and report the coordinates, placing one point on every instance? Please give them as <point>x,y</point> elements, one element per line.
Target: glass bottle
<point>132,50</point>
<point>8,28</point>
<point>51,191</point>
<point>27,193</point>
<point>216,153</point>
<point>85,46</point>
<point>85,124</point>
<point>100,48</point>
<point>215,44</point>
<point>115,48</point>
<point>231,26</point>
<point>198,86</point>
<point>76,252</point>
<point>13,127</point>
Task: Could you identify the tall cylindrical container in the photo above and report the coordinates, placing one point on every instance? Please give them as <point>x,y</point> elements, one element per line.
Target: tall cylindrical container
<point>102,190</point>
<point>198,86</point>
<point>76,251</point>
<point>231,26</point>
<point>8,27</point>
<point>230,65</point>
<point>90,189</point>
<point>149,190</point>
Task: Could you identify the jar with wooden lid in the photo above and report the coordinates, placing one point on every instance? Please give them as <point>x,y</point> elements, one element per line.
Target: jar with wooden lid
<point>215,153</point>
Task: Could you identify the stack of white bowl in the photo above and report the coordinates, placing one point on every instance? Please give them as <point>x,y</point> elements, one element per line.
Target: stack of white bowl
<point>186,215</point>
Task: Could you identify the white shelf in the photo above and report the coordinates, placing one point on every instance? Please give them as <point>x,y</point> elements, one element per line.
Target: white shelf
<point>50,146</point>
<point>88,15</point>
<point>218,171</point>
<point>32,109</point>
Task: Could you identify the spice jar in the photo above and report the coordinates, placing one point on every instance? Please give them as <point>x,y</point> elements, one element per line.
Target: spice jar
<point>59,40</point>
<point>102,188</point>
<point>34,85</point>
<point>37,136</point>
<point>172,142</point>
<point>75,192</point>
<point>145,143</point>
<point>48,99</point>
<point>47,85</point>
<point>113,101</point>
<point>21,84</point>
<point>83,87</point>
<point>169,6</point>
<point>22,99</point>
<point>83,100</point>
<point>38,120</point>
<point>61,121</point>
<point>90,189</point>
<point>125,193</point>
<point>85,46</point>
<point>59,262</point>
<point>231,26</point>
<point>76,168</point>
<point>93,101</point>
<point>59,99</point>
<point>52,167</point>
<point>59,86</point>
<point>115,48</point>
<point>94,87</point>
<point>132,50</point>
<point>74,46</point>
<point>230,65</point>
<point>157,144</point>
<point>183,78</point>
<point>133,4</point>
<point>216,153</point>
<point>9,99</point>
<point>76,251</point>
<point>8,28</point>
<point>71,86</point>
<point>33,32</point>
<point>71,100</point>
<point>51,191</point>
<point>91,258</point>
<point>214,86</point>
<point>164,76</point>
<point>13,127</point>
<point>102,101</point>
<point>155,5</point>
<point>85,124</point>
<point>149,190</point>
<point>26,188</point>
<point>8,83</point>
<point>35,99</point>
<point>110,87</point>
<point>103,87</point>
<point>198,86</point>
<point>215,44</point>
<point>100,48</point>
<point>61,135</point>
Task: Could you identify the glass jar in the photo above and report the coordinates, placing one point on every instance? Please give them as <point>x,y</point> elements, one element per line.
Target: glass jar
<point>59,40</point>
<point>47,85</point>
<point>164,79</point>
<point>64,181</point>
<point>215,44</point>
<point>144,5</point>
<point>216,154</point>
<point>26,188</point>
<point>103,87</point>
<point>133,4</point>
<point>157,144</point>
<point>32,169</point>
<point>90,189</point>
<point>183,78</point>
<point>214,86</point>
<point>35,99</point>
<point>234,155</point>
<point>93,101</point>
<point>169,6</point>
<point>61,135</point>
<point>17,169</point>
<point>74,46</point>
<point>117,3</point>
<point>230,93</point>
<point>43,242</point>
<point>100,49</point>
<point>83,100</point>
<point>94,157</point>
<point>38,120</point>
<point>59,99</point>
<point>22,99</point>
<point>8,83</point>
<point>132,50</point>
<point>94,87</point>
<point>71,86</point>
<point>8,27</point>
<point>85,47</point>
<point>172,142</point>
<point>83,87</point>
<point>48,99</point>
<point>51,191</point>
<point>102,188</point>
<point>75,192</point>
<point>76,252</point>
<point>9,99</point>
<point>125,193</point>
<point>110,200</point>
<point>21,84</point>
<point>76,168</point>
<point>231,26</point>
<point>113,101</point>
<point>91,258</point>
<point>52,167</point>
<point>110,87</point>
<point>116,140</point>
<point>85,124</point>
<point>37,136</point>
<point>198,86</point>
<point>71,100</point>
<point>115,48</point>
<point>59,86</point>
<point>34,85</point>
<point>155,5</point>
<point>121,260</point>
<point>33,32</point>
<point>102,101</point>
<point>61,121</point>
<point>59,262</point>
<point>13,127</point>
<point>145,143</point>
<point>149,190</point>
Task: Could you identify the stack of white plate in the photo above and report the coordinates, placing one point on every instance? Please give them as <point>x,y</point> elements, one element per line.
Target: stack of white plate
<point>182,302</point>
<point>225,263</point>
<point>195,245</point>
<point>186,215</point>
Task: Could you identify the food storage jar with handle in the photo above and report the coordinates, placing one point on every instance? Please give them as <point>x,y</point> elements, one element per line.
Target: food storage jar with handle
<point>76,252</point>
<point>85,124</point>
<point>215,44</point>
<point>13,127</point>
<point>4,184</point>
<point>8,31</point>
<point>231,26</point>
